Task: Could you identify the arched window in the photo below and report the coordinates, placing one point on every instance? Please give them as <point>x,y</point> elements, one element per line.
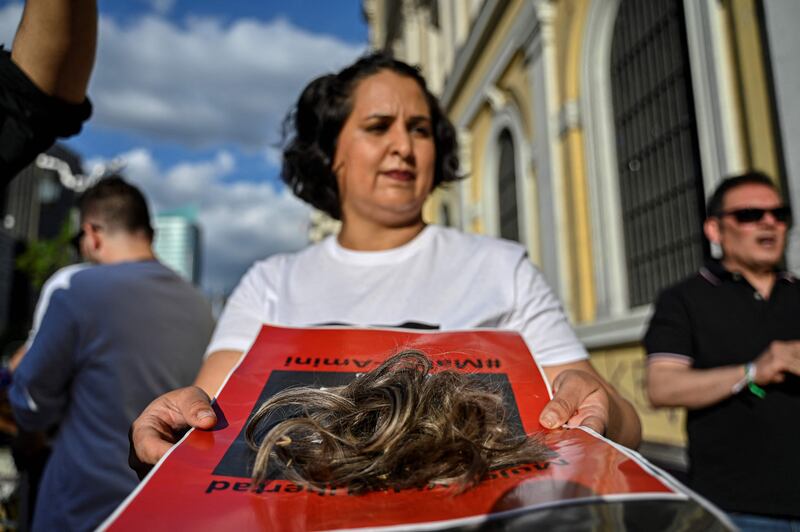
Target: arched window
<point>507,187</point>
<point>660,177</point>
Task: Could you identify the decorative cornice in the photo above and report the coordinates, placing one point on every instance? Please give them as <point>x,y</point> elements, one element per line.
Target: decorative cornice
<point>481,30</point>
<point>569,117</point>
<point>496,98</point>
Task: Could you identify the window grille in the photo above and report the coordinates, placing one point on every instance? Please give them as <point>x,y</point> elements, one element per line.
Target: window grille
<point>660,178</point>
<point>507,188</point>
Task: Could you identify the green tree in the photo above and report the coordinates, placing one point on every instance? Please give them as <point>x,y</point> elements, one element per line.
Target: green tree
<point>42,258</point>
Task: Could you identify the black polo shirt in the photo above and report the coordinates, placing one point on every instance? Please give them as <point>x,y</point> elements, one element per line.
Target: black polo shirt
<point>30,119</point>
<point>744,452</point>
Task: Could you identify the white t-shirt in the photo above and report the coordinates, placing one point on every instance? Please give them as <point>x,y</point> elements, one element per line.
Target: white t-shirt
<point>442,279</point>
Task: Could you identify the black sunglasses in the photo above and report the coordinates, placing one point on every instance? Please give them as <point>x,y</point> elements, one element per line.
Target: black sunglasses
<point>747,216</point>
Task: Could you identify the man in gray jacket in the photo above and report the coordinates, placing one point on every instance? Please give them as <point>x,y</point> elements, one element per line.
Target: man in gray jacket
<point>112,336</point>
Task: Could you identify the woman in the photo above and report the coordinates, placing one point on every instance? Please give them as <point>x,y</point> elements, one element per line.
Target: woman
<point>369,145</point>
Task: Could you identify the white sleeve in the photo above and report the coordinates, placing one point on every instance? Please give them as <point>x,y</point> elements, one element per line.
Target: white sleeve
<point>539,317</point>
<point>246,310</point>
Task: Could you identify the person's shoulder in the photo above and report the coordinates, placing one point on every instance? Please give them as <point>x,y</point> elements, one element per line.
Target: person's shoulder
<point>113,277</point>
<point>62,282</point>
<point>278,264</point>
<point>477,244</point>
<point>64,277</point>
<point>687,288</point>
<point>278,261</point>
<point>70,279</point>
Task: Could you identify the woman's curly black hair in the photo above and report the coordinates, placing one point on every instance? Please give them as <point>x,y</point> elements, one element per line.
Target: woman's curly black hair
<point>311,131</point>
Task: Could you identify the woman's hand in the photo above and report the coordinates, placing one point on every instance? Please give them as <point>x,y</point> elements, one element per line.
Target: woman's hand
<point>164,421</point>
<point>581,397</point>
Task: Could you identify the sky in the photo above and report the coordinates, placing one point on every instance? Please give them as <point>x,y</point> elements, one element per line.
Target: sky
<point>191,95</point>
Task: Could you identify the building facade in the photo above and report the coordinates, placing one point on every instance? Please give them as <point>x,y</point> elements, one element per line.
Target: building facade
<point>34,206</point>
<point>592,132</point>
<point>177,242</point>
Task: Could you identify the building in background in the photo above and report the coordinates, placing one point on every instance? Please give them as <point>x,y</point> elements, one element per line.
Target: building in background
<point>177,242</point>
<point>592,132</point>
<point>35,206</point>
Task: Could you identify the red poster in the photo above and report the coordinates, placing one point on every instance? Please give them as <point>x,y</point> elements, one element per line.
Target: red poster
<point>204,482</point>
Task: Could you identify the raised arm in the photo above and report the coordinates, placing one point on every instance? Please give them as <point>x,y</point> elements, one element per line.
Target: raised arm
<point>676,383</point>
<point>55,46</point>
<point>673,382</point>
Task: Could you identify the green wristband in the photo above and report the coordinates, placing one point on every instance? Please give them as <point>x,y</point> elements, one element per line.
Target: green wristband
<point>755,389</point>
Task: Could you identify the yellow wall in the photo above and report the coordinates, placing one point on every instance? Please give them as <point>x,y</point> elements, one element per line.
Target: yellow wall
<point>479,127</point>
<point>569,26</point>
<point>624,367</point>
<point>752,89</point>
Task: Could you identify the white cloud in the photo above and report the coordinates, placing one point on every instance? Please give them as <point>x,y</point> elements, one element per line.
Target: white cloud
<point>162,7</point>
<point>241,222</point>
<point>203,82</point>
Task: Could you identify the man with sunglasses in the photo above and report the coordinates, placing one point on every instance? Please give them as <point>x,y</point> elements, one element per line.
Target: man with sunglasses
<point>113,335</point>
<point>725,344</point>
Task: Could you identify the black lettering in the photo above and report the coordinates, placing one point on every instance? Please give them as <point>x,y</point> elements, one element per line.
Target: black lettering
<point>241,486</point>
<point>363,364</point>
<point>292,488</point>
<point>288,361</point>
<point>541,466</point>
<point>217,485</point>
<point>477,364</point>
<point>336,362</point>
<point>299,362</point>
<point>326,490</point>
<point>269,487</point>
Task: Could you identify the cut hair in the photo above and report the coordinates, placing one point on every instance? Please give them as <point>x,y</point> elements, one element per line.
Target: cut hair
<point>398,426</point>
<point>117,204</point>
<point>311,131</point>
<point>716,202</point>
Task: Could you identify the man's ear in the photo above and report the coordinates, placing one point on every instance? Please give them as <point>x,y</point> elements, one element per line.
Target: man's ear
<point>94,238</point>
<point>712,229</point>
